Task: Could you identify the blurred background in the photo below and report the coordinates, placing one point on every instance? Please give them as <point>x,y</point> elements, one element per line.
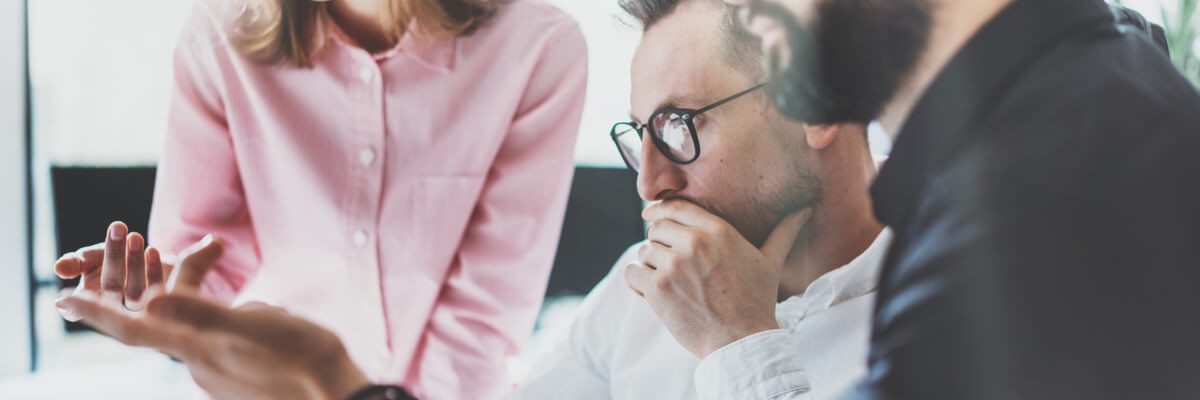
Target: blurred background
<point>84,88</point>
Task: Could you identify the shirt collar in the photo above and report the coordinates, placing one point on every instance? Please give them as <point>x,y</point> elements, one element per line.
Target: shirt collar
<point>859,277</point>
<point>436,54</point>
<point>961,95</point>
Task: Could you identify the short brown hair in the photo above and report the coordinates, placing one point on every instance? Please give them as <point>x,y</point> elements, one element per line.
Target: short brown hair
<point>742,49</point>
<point>284,31</point>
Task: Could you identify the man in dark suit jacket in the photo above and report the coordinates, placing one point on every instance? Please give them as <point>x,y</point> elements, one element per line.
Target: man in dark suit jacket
<point>1042,186</point>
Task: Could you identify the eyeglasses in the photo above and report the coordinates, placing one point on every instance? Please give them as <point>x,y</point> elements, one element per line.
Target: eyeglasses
<point>672,130</point>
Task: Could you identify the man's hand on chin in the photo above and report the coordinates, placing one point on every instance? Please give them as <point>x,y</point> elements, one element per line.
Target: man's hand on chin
<point>257,351</point>
<point>707,283</point>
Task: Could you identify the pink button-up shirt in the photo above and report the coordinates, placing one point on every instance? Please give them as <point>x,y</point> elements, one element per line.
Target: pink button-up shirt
<point>409,201</point>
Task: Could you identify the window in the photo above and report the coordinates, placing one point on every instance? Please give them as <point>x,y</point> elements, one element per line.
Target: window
<point>100,76</point>
<point>14,250</point>
<point>610,52</point>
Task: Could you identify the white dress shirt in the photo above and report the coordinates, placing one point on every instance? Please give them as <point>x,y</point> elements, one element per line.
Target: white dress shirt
<point>617,349</point>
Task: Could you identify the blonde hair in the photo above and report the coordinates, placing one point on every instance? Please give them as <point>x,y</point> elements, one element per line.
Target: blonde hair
<point>284,32</point>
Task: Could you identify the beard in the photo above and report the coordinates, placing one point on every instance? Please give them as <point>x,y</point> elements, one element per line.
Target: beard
<point>848,63</point>
<point>755,216</point>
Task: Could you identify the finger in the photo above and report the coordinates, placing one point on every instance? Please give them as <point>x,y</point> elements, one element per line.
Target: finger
<point>135,278</point>
<point>193,311</point>
<point>168,271</point>
<point>63,311</point>
<point>152,292</point>
<point>92,258</point>
<point>100,315</point>
<point>68,266</point>
<point>112,273</point>
<point>194,264</point>
<point>154,268</point>
<point>90,282</point>
<point>681,211</point>
<point>76,263</point>
<point>657,257</point>
<point>671,234</point>
<point>638,277</point>
<point>110,319</point>
<point>783,236</point>
<point>258,305</point>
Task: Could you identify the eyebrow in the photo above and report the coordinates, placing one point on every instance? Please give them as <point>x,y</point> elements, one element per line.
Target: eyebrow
<point>670,102</point>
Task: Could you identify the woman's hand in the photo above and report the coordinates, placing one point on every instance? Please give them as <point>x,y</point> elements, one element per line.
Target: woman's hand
<point>122,270</point>
<point>119,269</point>
<point>256,351</point>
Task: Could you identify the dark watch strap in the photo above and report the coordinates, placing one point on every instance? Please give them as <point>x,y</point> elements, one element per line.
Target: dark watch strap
<point>382,392</point>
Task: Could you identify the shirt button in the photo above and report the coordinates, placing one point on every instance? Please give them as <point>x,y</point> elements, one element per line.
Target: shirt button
<point>366,74</point>
<point>366,156</point>
<point>360,238</point>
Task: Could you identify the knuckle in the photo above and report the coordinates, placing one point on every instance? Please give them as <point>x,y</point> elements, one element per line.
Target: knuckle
<point>654,226</point>
<point>722,230</point>
<point>676,262</point>
<point>111,284</point>
<point>127,334</point>
<point>182,346</point>
<point>115,255</point>
<point>227,344</point>
<point>134,290</point>
<point>671,262</point>
<point>662,282</point>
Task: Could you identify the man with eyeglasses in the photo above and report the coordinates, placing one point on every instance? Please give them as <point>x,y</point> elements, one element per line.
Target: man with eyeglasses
<point>724,171</point>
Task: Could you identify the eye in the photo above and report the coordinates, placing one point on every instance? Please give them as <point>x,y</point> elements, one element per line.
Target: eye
<point>699,121</point>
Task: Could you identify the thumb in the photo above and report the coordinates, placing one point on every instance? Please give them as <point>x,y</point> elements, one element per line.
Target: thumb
<point>783,237</point>
<point>194,263</point>
<point>193,311</point>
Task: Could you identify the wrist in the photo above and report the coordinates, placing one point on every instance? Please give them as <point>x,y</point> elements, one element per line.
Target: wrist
<point>381,392</point>
<point>735,334</point>
<point>340,380</point>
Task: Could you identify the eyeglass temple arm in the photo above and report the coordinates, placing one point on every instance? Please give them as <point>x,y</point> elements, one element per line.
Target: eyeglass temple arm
<point>728,99</point>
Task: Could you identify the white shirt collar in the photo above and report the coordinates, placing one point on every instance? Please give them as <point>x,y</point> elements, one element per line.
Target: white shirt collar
<point>857,278</point>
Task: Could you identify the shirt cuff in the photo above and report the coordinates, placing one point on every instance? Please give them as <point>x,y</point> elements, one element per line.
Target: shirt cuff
<point>759,366</point>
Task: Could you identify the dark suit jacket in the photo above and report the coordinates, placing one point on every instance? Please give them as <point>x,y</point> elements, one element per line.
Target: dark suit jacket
<point>1045,196</point>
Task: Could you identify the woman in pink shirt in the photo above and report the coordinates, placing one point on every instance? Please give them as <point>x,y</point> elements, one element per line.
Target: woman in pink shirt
<point>393,170</point>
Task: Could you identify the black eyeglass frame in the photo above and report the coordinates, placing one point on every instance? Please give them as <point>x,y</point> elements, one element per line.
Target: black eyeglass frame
<point>687,115</point>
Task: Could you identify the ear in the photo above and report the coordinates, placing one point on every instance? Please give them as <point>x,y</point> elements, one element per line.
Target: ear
<point>821,136</point>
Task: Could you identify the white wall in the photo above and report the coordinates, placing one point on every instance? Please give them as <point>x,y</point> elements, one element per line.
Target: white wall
<point>14,257</point>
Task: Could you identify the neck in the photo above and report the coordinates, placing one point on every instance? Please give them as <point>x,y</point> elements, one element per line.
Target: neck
<point>953,24</point>
<point>842,225</point>
<point>363,21</point>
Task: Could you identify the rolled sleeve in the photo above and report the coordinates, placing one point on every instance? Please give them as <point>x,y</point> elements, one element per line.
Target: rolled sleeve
<point>760,366</point>
<point>198,188</point>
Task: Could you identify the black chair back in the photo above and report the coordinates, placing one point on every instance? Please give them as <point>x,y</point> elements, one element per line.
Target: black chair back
<point>87,199</point>
<point>603,219</point>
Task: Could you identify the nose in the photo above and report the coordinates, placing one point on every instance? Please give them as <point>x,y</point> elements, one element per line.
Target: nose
<point>659,178</point>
